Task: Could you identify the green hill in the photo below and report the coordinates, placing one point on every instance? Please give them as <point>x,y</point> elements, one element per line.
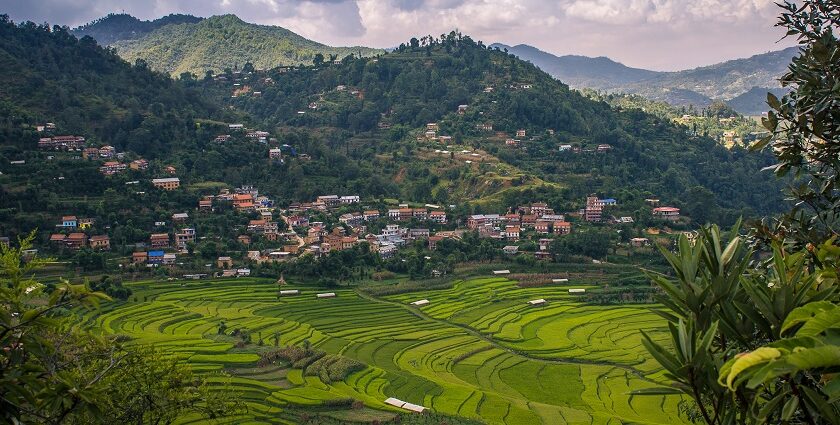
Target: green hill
<point>122,26</point>
<point>51,76</point>
<point>412,86</point>
<point>226,41</point>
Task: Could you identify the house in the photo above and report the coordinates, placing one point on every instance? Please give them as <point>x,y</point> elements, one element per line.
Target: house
<point>370,215</point>
<point>298,221</point>
<point>69,221</point>
<point>139,257</point>
<point>540,209</point>
<point>433,240</point>
<point>57,239</point>
<point>420,213</point>
<point>520,133</point>
<point>431,134</point>
<point>184,237</point>
<point>159,240</point>
<point>564,148</point>
<point>542,227</point>
<point>562,228</point>
<point>222,138</point>
<point>107,152</point>
<point>667,213</point>
<point>110,168</point>
<point>351,199</point>
<point>329,200</point>
<point>529,220</point>
<point>512,142</point>
<point>602,148</point>
<point>76,240</point>
<point>484,127</point>
<point>169,259</point>
<point>236,127</point>
<point>639,242</point>
<point>169,169</point>
<point>462,109</point>
<point>405,214</point>
<point>512,232</point>
<point>205,205</point>
<point>100,242</point>
<point>257,226</point>
<point>544,244</point>
<point>90,153</point>
<point>180,217</point>
<point>351,219</point>
<point>243,201</point>
<point>275,153</point>
<point>625,219</point>
<point>510,250</point>
<point>418,233</point>
<point>168,183</point>
<point>394,214</point>
<point>224,262</point>
<point>244,239</point>
<point>139,164</point>
<point>592,213</point>
<point>437,216</point>
<point>432,126</point>
<point>155,257</point>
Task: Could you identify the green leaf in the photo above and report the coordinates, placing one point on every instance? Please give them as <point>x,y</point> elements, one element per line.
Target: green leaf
<point>745,361</point>
<point>815,317</point>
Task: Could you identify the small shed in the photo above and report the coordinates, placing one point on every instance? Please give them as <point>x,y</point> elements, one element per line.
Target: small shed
<point>560,280</point>
<point>577,290</point>
<point>290,292</point>
<point>498,272</point>
<point>420,302</point>
<point>326,295</point>
<point>540,301</point>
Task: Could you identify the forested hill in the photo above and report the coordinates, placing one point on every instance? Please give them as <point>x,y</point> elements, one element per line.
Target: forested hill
<point>122,26</point>
<point>425,81</point>
<point>221,42</point>
<point>51,76</point>
<point>735,81</point>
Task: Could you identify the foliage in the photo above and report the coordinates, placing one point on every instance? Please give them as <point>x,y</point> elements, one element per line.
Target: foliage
<point>805,126</point>
<point>52,372</point>
<point>121,26</point>
<point>226,42</point>
<point>750,345</point>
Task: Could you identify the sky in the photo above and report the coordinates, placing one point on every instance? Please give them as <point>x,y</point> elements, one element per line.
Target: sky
<point>664,35</point>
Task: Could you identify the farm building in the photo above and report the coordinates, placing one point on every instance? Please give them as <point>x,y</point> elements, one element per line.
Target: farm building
<point>577,290</point>
<point>560,280</point>
<point>420,302</point>
<point>404,405</point>
<point>326,295</point>
<point>290,292</point>
<point>537,302</point>
<point>497,272</point>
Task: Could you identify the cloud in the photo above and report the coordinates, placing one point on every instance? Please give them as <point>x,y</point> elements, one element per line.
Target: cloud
<point>659,34</point>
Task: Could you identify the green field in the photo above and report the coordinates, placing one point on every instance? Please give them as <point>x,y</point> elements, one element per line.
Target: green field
<point>477,350</point>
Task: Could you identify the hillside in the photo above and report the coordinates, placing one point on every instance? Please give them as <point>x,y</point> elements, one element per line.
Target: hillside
<point>405,89</point>
<point>699,86</point>
<point>580,71</point>
<point>51,76</point>
<point>226,41</point>
<point>121,26</point>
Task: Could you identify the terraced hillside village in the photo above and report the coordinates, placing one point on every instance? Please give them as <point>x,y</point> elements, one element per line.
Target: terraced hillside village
<point>438,234</point>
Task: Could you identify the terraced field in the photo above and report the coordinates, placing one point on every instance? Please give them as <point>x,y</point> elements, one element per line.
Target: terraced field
<point>476,350</point>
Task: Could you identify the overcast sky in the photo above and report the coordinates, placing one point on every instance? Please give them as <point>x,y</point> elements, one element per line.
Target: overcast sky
<point>653,34</point>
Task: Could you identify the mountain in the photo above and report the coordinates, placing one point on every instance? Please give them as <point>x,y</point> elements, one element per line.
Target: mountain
<point>221,42</point>
<point>412,86</point>
<point>580,71</point>
<point>51,76</point>
<point>699,86</point>
<point>121,26</point>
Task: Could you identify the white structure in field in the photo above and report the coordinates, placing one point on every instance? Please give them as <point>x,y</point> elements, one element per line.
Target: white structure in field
<point>420,302</point>
<point>560,280</point>
<point>404,405</point>
<point>326,295</point>
<point>577,291</point>
<point>290,292</point>
<point>501,271</point>
<point>537,302</point>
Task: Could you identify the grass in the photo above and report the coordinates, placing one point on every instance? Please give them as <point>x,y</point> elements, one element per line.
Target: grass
<point>477,351</point>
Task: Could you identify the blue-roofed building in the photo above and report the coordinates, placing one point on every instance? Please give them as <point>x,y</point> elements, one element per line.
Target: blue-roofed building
<point>155,257</point>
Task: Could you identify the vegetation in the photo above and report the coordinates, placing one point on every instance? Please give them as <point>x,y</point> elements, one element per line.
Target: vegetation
<point>53,372</point>
<point>756,341</point>
<point>121,26</point>
<point>226,42</point>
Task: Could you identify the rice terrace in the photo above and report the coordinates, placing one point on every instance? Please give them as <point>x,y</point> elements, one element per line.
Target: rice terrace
<point>473,348</point>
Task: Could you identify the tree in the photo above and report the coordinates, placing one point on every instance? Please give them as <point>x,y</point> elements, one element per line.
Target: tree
<point>54,372</point>
<point>755,342</point>
<point>805,126</point>
<point>318,60</point>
